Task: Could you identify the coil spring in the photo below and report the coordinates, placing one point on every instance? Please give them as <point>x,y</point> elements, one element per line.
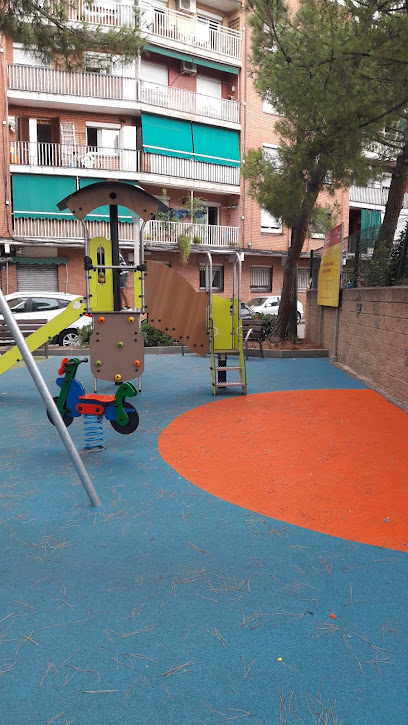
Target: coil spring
<point>94,433</point>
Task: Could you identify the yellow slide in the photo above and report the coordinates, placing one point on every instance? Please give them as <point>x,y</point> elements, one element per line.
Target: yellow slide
<point>45,333</point>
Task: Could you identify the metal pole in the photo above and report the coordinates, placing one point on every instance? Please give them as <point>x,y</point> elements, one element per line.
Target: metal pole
<point>321,326</point>
<point>114,232</point>
<point>86,241</point>
<point>48,401</point>
<point>336,335</point>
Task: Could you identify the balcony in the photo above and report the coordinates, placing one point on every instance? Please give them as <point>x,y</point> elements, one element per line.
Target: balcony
<point>157,233</point>
<point>164,26</point>
<point>199,36</point>
<point>149,167</point>
<point>91,86</point>
<point>376,195</point>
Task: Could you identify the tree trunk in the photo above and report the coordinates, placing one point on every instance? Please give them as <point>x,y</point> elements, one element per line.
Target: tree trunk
<point>298,239</point>
<point>399,181</point>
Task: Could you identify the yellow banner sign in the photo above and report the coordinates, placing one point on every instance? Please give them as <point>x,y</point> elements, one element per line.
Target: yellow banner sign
<point>330,268</point>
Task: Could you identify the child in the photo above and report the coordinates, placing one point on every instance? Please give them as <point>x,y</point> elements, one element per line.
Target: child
<point>123,282</point>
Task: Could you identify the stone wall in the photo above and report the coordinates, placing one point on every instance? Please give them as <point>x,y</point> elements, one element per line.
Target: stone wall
<point>373,334</point>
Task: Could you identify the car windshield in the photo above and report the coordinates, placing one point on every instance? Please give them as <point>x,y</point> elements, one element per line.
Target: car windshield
<point>256,301</point>
<point>18,304</point>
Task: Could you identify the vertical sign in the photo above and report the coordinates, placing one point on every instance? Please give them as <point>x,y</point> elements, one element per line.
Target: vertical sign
<point>330,268</point>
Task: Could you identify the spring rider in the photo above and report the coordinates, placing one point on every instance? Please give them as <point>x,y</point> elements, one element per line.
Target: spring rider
<point>73,402</point>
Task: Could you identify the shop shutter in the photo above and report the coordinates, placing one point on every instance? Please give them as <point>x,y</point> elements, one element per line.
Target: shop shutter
<point>37,277</point>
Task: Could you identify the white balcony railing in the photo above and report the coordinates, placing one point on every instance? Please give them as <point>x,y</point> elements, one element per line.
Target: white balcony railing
<point>370,194</point>
<point>156,232</point>
<point>190,30</point>
<point>167,24</point>
<point>31,154</point>
<point>159,232</point>
<point>94,85</point>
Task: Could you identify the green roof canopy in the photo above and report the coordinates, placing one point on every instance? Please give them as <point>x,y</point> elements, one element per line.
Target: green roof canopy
<point>36,196</point>
<point>167,136</point>
<point>192,59</point>
<point>101,214</point>
<point>215,145</point>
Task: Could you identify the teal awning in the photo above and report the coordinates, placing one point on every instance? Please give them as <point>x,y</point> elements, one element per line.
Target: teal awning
<point>167,136</point>
<point>39,260</point>
<point>35,196</point>
<point>370,218</point>
<point>101,214</point>
<point>192,59</point>
<point>214,145</point>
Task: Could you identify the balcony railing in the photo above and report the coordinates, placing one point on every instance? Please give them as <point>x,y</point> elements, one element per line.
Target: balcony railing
<point>192,31</point>
<point>363,241</point>
<point>156,232</point>
<point>377,195</point>
<point>94,85</point>
<point>55,155</point>
<point>162,22</point>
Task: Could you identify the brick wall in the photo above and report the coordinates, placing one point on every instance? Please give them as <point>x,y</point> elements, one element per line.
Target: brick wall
<point>373,334</point>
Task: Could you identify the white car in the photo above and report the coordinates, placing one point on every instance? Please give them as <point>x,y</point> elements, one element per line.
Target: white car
<point>270,306</point>
<point>45,306</point>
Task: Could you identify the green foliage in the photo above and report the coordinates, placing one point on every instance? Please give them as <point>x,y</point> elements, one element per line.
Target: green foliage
<point>184,245</point>
<point>268,324</point>
<point>324,217</point>
<point>47,29</point>
<point>383,270</point>
<point>331,72</point>
<point>155,338</point>
<point>84,334</point>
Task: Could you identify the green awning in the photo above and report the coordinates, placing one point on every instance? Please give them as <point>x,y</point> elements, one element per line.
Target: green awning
<point>214,145</point>
<point>370,218</point>
<point>167,136</point>
<point>35,196</point>
<point>192,59</point>
<point>101,214</point>
<point>39,260</point>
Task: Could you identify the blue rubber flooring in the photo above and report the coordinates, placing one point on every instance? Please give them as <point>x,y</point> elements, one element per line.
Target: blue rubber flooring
<point>168,605</point>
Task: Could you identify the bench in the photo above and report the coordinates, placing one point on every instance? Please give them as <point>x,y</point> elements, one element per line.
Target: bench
<point>26,328</point>
<point>252,331</point>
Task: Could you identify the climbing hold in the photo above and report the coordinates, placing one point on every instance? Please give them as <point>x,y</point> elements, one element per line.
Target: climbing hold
<point>118,377</point>
<point>136,363</point>
<point>101,320</point>
<point>131,319</point>
<point>120,344</point>
<point>333,616</point>
<point>279,659</point>
<point>98,363</point>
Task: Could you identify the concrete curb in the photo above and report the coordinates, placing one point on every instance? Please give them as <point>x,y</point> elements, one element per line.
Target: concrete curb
<point>176,350</point>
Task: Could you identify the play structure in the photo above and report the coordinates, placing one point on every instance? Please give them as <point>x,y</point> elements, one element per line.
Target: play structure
<point>201,321</point>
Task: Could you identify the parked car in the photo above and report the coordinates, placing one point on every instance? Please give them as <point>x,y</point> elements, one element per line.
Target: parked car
<point>246,312</point>
<point>46,306</point>
<point>270,306</point>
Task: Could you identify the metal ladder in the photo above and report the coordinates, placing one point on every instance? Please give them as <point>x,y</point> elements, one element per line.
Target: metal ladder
<point>225,330</point>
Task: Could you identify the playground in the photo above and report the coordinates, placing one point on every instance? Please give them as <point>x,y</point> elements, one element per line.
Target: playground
<point>247,562</point>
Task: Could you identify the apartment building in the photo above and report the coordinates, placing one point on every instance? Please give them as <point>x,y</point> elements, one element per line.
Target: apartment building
<point>176,121</point>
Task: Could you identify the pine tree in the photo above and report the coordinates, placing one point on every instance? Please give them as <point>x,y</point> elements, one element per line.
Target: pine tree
<point>57,30</point>
<point>328,69</point>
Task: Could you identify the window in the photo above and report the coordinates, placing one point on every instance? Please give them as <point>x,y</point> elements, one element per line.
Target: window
<point>217,277</point>
<point>303,279</point>
<point>261,279</point>
<point>269,108</point>
<point>19,304</point>
<point>103,139</point>
<point>97,63</point>
<point>44,303</point>
<point>269,223</point>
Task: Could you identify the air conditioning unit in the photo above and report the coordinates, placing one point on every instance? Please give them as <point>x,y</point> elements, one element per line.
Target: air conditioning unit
<point>188,68</point>
<point>187,6</point>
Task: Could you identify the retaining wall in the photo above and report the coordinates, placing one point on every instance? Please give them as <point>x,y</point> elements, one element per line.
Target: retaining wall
<point>373,334</point>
